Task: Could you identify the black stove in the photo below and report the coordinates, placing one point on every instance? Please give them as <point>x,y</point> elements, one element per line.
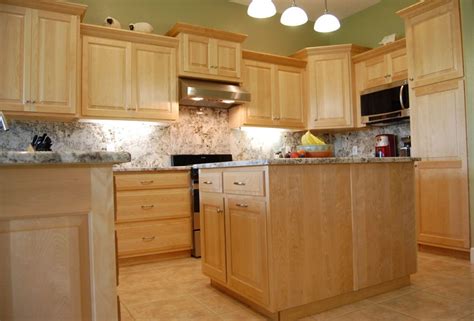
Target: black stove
<point>193,159</point>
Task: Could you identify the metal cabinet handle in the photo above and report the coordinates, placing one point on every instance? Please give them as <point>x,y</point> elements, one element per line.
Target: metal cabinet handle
<point>401,97</point>
<point>28,101</point>
<point>239,183</point>
<point>411,79</point>
<point>33,102</point>
<point>146,182</point>
<point>207,182</point>
<point>276,118</point>
<point>147,207</point>
<point>148,239</point>
<point>219,211</point>
<point>241,205</point>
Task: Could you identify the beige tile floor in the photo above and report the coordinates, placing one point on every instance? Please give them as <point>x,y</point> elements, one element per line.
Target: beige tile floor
<point>443,289</point>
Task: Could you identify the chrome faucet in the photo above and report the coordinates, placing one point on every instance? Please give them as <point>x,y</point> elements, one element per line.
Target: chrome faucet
<point>3,122</point>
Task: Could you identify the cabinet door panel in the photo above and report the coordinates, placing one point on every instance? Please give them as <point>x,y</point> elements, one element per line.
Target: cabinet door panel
<point>196,56</point>
<point>54,62</point>
<point>227,58</point>
<point>443,208</point>
<point>247,267</point>
<point>434,45</point>
<point>330,91</point>
<point>438,123</point>
<point>289,109</point>
<point>54,263</point>
<point>257,79</point>
<point>376,71</point>
<point>154,82</point>
<point>397,62</point>
<point>15,35</point>
<point>213,240</point>
<point>106,85</point>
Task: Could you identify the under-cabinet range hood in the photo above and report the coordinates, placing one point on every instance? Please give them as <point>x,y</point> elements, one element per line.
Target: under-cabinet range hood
<point>204,93</point>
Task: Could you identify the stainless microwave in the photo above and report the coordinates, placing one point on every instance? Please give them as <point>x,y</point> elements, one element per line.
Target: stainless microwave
<point>384,104</point>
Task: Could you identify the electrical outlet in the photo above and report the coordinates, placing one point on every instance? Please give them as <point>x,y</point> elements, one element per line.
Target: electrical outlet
<point>355,150</point>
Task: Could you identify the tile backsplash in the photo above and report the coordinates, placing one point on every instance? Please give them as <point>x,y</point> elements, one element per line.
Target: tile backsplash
<point>195,132</point>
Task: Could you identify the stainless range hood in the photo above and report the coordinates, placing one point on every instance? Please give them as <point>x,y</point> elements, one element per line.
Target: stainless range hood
<point>204,93</point>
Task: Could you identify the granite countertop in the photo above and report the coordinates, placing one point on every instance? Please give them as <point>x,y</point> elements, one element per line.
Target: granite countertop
<point>9,158</point>
<point>309,161</point>
<point>152,169</point>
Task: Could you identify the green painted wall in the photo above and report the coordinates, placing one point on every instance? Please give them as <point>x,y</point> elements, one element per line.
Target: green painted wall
<point>266,35</point>
<point>368,27</point>
<point>467,16</point>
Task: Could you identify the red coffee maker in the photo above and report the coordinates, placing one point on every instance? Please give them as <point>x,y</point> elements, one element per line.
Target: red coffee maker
<point>385,145</point>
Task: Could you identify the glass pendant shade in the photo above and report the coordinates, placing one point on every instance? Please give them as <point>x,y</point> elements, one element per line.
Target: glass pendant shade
<point>294,16</point>
<point>261,9</point>
<point>327,23</point>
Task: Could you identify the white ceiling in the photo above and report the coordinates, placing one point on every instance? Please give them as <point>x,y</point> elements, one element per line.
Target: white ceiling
<point>315,8</point>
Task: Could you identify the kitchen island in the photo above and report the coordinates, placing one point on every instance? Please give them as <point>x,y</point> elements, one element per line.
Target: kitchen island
<point>294,237</point>
<point>57,243</point>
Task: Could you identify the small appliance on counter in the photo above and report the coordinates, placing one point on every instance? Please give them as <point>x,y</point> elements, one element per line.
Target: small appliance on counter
<point>405,151</point>
<point>386,145</point>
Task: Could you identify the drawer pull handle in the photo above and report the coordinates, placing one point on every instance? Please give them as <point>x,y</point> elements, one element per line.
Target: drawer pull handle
<point>241,205</point>
<point>219,211</point>
<point>239,183</point>
<point>148,239</point>
<point>147,207</point>
<point>207,182</point>
<point>146,182</point>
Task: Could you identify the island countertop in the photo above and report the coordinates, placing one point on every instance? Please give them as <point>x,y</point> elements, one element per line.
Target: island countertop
<point>9,158</point>
<point>309,161</point>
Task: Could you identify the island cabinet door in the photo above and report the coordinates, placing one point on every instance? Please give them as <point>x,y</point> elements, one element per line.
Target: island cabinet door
<point>213,236</point>
<point>247,267</point>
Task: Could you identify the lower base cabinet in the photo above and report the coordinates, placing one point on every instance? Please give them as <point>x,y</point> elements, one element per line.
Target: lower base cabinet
<point>153,214</point>
<point>293,240</point>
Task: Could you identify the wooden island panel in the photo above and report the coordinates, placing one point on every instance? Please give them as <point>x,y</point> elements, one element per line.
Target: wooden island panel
<point>323,234</point>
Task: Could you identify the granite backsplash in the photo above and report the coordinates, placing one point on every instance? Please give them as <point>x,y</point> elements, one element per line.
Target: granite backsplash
<point>196,131</point>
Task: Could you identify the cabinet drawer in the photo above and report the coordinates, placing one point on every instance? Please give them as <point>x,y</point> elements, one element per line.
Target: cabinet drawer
<point>151,180</point>
<point>157,236</point>
<point>153,204</point>
<point>245,182</point>
<point>210,182</point>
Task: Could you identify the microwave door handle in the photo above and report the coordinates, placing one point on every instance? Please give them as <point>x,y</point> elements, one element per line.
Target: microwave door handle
<point>401,97</point>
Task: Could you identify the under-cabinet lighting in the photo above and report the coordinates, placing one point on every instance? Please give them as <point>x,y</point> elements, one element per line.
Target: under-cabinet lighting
<point>228,101</point>
<point>197,98</point>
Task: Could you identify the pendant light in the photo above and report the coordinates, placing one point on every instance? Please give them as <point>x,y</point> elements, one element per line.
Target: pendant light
<point>294,16</point>
<point>327,22</point>
<point>261,9</point>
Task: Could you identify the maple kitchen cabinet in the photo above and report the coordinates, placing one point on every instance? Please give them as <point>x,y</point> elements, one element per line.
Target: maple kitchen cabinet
<point>208,53</point>
<point>153,215</point>
<point>434,42</point>
<point>128,75</point>
<point>39,66</point>
<point>292,238</point>
<point>57,236</point>
<point>329,79</point>
<point>277,88</point>
<point>378,67</point>
<point>438,123</point>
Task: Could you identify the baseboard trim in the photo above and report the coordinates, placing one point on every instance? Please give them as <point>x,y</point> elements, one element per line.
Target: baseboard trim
<point>438,250</point>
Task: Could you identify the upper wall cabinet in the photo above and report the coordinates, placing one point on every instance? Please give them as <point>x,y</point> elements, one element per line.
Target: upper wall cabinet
<point>208,53</point>
<point>434,42</point>
<point>382,65</point>
<point>127,75</point>
<point>39,62</point>
<point>329,85</point>
<point>378,67</point>
<point>276,85</point>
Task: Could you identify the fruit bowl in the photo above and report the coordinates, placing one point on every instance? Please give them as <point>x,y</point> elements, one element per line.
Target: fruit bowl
<point>313,151</point>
